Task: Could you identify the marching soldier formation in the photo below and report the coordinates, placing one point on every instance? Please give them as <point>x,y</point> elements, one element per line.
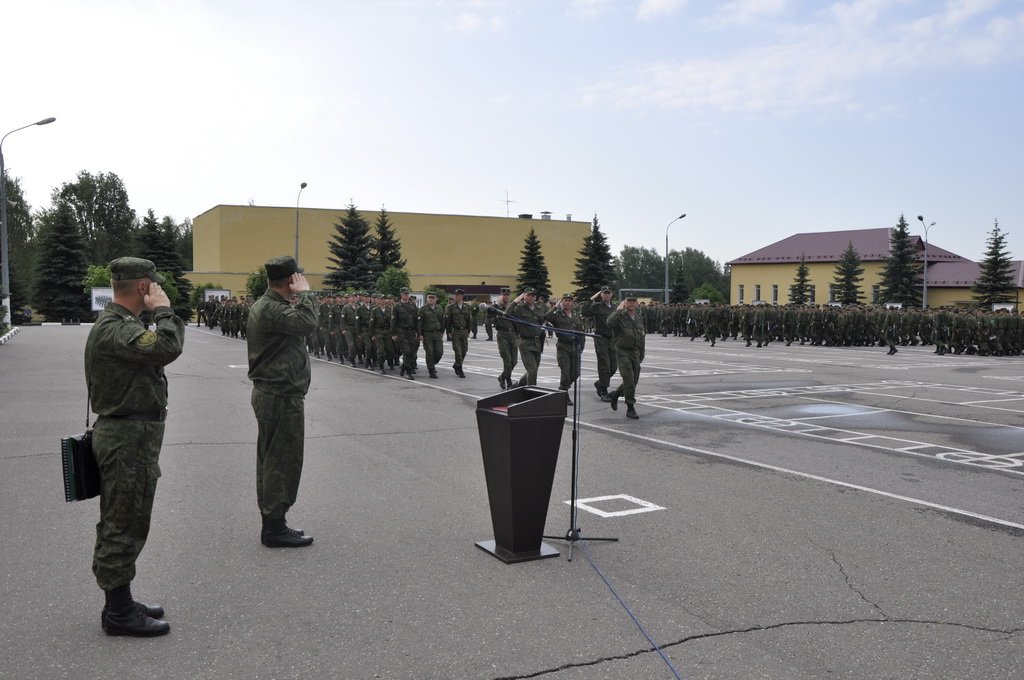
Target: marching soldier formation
<point>951,330</point>
<point>378,333</point>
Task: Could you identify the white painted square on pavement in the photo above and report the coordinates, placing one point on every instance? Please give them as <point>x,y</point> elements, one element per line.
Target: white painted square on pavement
<point>642,506</point>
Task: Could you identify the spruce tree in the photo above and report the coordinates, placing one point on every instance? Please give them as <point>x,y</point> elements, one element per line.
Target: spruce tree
<point>848,275</point>
<point>995,275</point>
<point>157,242</point>
<point>533,272</point>
<point>798,292</point>
<point>901,273</point>
<point>594,267</point>
<point>387,246</point>
<point>680,291</point>
<point>61,268</point>
<point>351,248</point>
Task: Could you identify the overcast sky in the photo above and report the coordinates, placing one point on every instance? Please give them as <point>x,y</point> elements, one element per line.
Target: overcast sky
<point>757,118</point>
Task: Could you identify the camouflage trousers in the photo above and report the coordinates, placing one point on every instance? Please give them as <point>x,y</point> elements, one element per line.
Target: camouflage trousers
<point>433,347</point>
<point>128,453</point>
<point>568,364</point>
<point>606,363</point>
<point>529,352</point>
<point>279,447</point>
<point>460,346</point>
<point>508,351</point>
<point>629,370</point>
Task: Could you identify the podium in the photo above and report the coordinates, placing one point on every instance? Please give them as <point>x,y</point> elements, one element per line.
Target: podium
<point>520,434</point>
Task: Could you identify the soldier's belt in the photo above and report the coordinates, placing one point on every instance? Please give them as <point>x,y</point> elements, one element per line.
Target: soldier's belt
<point>152,417</point>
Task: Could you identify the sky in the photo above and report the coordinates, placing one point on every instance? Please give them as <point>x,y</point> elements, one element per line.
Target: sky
<point>758,119</point>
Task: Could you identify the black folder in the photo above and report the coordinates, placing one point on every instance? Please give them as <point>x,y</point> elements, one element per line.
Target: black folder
<point>81,474</point>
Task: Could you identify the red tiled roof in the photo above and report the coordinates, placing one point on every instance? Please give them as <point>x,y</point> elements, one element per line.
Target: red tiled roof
<point>872,245</point>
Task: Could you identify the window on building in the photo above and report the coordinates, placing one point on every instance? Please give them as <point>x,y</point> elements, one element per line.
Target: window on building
<point>775,293</point>
<point>811,296</point>
<point>833,292</point>
<point>741,293</point>
<point>876,291</point>
<point>757,291</point>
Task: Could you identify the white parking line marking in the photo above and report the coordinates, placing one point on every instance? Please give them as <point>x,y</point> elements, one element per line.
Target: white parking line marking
<point>806,475</point>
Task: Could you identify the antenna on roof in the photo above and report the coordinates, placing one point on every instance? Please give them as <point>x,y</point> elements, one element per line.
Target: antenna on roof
<point>507,202</point>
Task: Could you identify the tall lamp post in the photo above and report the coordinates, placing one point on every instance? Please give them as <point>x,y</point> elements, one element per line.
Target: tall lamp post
<point>666,252</point>
<point>297,197</point>
<point>924,294</point>
<point>3,220</point>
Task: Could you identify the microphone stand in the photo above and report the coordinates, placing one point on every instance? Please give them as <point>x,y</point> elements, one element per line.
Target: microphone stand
<point>574,533</point>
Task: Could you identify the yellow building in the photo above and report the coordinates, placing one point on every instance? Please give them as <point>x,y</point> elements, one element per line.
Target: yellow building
<point>477,254</point>
<point>767,274</point>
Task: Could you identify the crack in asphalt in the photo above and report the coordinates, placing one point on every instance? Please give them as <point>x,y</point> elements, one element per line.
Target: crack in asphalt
<point>849,584</point>
<point>1007,633</point>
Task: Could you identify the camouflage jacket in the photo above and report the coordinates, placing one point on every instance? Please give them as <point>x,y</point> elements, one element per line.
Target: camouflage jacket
<point>124,362</point>
<point>276,341</point>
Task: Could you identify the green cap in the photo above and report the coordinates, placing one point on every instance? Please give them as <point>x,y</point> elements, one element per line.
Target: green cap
<point>131,268</point>
<point>282,267</point>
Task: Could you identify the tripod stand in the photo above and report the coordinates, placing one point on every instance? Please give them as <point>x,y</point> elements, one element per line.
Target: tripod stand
<point>574,533</point>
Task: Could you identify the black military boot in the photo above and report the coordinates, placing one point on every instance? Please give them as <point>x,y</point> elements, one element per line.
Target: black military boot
<point>277,534</point>
<point>631,412</point>
<point>613,399</point>
<point>124,616</point>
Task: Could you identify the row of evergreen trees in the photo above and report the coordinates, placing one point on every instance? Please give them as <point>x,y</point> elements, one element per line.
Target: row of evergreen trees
<point>360,260</point>
<point>902,275</point>
<point>89,221</point>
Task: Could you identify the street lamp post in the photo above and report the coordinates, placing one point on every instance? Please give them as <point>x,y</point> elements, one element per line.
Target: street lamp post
<point>3,220</point>
<point>924,294</point>
<point>301,187</point>
<point>666,252</point>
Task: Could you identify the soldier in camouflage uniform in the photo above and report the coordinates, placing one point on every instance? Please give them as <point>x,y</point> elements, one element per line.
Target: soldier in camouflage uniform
<point>597,309</point>
<point>430,329</point>
<point>350,328</point>
<point>569,346</point>
<point>458,322</point>
<point>124,372</point>
<point>280,374</point>
<point>380,330</point>
<point>507,348</point>
<point>526,308</point>
<point>403,323</point>
<point>627,322</point>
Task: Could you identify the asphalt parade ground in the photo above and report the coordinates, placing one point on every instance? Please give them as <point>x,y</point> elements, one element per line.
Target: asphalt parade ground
<point>784,512</point>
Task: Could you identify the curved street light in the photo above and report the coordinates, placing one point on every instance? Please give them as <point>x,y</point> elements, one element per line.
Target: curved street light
<point>666,253</point>
<point>3,220</point>
<point>297,197</point>
<point>924,294</point>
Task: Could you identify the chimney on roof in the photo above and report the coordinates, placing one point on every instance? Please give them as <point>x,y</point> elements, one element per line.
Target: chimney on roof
<point>545,214</point>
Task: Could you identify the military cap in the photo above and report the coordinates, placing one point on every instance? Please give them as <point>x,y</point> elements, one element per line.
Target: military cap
<point>431,294</point>
<point>568,296</point>
<point>282,267</point>
<point>505,290</point>
<point>457,291</point>
<point>606,289</point>
<point>631,297</point>
<point>130,268</point>
<point>529,291</point>
<point>405,290</point>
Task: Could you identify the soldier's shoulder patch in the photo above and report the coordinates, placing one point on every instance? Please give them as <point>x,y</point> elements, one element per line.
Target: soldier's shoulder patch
<point>146,339</point>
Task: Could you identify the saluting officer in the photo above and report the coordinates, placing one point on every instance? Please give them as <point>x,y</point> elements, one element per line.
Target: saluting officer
<point>526,308</point>
<point>598,309</point>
